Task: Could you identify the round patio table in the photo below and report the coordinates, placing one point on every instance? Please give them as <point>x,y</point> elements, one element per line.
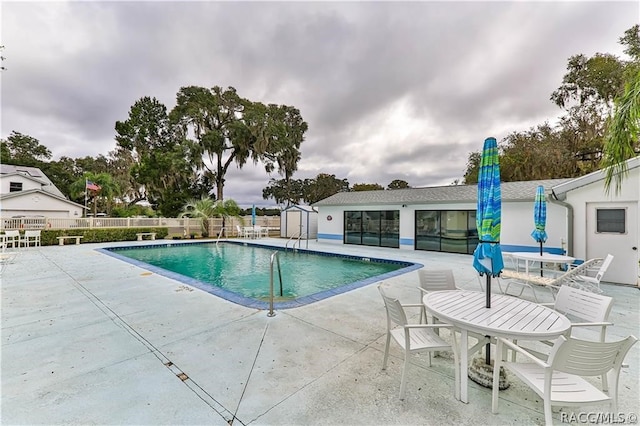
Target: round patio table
<point>508,317</point>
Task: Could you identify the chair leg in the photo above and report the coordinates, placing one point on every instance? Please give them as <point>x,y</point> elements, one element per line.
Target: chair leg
<point>548,416</point>
<point>386,351</point>
<point>403,382</point>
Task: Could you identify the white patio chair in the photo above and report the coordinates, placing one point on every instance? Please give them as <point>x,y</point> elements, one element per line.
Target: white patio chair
<point>590,281</point>
<point>260,231</point>
<point>414,338</point>
<point>559,381</point>
<point>434,280</point>
<point>12,237</point>
<point>30,237</point>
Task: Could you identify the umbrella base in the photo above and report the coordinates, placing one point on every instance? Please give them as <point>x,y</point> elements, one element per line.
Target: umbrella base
<point>482,373</point>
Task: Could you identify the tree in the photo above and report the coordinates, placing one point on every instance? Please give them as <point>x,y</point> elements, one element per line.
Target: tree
<point>597,79</point>
<point>398,184</point>
<point>108,189</point>
<point>228,129</point>
<point>283,192</point>
<point>207,207</point>
<point>366,187</point>
<point>624,128</point>
<point>153,160</point>
<point>200,209</point>
<point>24,150</point>
<point>622,140</point>
<point>323,186</point>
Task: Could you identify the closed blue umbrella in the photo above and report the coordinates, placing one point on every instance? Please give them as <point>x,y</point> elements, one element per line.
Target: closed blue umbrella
<point>487,257</point>
<point>540,218</point>
<point>253,215</point>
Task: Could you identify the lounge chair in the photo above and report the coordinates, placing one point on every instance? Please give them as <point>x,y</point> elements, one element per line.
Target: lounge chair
<point>590,280</point>
<point>525,280</point>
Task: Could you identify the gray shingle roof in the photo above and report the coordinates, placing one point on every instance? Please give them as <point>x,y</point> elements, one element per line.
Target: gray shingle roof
<point>511,191</point>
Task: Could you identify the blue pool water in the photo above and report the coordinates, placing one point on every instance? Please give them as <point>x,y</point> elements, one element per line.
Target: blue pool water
<point>241,273</point>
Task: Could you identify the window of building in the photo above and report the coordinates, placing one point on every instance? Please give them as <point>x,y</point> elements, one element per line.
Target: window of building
<point>451,231</point>
<point>611,221</point>
<point>372,228</point>
<point>15,186</point>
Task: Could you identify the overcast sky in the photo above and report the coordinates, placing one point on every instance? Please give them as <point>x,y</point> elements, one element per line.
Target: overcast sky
<point>390,90</point>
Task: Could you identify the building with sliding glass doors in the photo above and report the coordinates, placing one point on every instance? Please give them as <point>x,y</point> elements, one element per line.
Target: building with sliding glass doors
<point>582,220</point>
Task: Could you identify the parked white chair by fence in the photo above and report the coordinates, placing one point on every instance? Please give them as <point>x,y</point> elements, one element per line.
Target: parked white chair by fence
<point>30,237</point>
<point>12,238</point>
<point>559,380</point>
<point>414,338</point>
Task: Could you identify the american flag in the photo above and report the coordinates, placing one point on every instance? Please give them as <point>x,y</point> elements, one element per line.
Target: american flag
<point>92,186</point>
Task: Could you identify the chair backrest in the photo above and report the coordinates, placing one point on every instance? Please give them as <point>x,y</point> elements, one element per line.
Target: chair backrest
<point>31,234</point>
<point>395,311</point>
<point>580,269</point>
<point>436,279</point>
<point>12,233</point>
<point>604,267</point>
<point>584,305</point>
<point>589,358</point>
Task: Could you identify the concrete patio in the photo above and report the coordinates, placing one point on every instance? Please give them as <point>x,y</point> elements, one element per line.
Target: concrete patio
<point>89,339</point>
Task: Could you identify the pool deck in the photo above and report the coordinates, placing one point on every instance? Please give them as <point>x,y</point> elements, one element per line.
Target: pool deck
<point>90,339</point>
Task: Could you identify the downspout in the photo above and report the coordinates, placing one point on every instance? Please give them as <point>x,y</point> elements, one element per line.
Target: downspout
<point>555,200</point>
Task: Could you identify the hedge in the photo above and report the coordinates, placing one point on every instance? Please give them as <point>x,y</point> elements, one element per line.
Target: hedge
<point>48,237</point>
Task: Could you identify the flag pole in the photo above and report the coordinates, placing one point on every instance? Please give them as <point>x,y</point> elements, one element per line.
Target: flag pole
<point>85,197</point>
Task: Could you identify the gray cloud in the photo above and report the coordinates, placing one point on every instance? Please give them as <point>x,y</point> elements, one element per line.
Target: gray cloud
<point>390,90</point>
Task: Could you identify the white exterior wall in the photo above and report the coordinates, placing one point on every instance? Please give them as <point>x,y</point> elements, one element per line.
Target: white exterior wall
<point>587,244</point>
<point>517,222</point>
<point>27,183</point>
<point>39,204</point>
<point>517,225</point>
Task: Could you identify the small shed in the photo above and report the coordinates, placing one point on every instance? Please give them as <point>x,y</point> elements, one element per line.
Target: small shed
<point>298,220</point>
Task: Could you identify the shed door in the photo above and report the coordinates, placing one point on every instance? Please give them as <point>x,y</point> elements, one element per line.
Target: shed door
<point>294,218</point>
<point>613,228</point>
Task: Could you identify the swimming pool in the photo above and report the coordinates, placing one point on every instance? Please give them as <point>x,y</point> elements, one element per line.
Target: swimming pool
<point>240,272</point>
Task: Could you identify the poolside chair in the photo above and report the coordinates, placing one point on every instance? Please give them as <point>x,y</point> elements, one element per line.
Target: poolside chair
<point>434,280</point>
<point>552,283</point>
<point>590,281</point>
<point>559,381</point>
<point>414,338</point>
<point>12,238</point>
<point>30,237</point>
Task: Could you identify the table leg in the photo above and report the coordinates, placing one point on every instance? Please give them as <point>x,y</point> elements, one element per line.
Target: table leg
<point>464,365</point>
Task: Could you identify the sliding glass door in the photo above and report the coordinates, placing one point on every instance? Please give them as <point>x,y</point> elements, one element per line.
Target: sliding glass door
<point>372,228</point>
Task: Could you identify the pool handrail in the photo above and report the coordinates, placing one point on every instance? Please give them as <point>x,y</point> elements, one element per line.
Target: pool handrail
<point>275,256</point>
<point>219,234</point>
<point>293,246</point>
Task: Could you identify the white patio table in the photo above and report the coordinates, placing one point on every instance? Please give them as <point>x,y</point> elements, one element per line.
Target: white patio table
<point>508,317</point>
<point>545,258</point>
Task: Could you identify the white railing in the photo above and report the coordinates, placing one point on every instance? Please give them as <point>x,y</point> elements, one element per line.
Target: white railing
<point>177,226</point>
